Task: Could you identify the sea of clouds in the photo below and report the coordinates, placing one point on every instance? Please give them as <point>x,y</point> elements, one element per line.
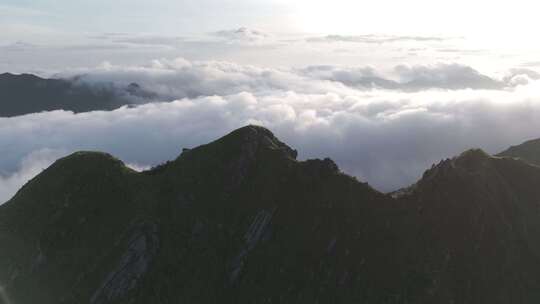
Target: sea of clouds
<point>385,127</point>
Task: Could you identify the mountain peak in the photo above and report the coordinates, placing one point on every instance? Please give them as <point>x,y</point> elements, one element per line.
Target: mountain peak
<point>475,153</point>
<point>23,76</point>
<point>255,137</point>
<point>252,130</point>
<point>472,159</point>
<point>241,215</point>
<point>84,162</point>
<point>90,156</point>
<point>236,153</point>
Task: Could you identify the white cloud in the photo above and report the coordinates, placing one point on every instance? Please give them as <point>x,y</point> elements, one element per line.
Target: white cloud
<point>445,76</point>
<point>180,78</point>
<point>376,39</point>
<point>243,35</point>
<point>269,48</point>
<point>384,136</point>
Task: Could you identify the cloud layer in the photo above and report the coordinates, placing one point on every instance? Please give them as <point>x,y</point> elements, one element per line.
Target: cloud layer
<point>384,134</point>
<point>180,78</point>
<point>243,35</point>
<point>377,39</point>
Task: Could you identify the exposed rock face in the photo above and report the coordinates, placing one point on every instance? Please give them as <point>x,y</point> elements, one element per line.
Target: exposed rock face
<point>240,220</point>
<point>258,228</point>
<point>141,249</point>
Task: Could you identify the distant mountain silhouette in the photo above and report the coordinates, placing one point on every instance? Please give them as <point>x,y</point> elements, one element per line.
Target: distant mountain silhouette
<point>240,220</point>
<point>26,93</point>
<point>528,151</point>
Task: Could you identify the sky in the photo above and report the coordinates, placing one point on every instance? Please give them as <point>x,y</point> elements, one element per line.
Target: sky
<point>493,18</point>
<point>384,88</point>
<point>36,32</point>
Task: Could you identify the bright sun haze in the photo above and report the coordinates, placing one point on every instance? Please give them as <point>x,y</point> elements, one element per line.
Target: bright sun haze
<point>490,21</point>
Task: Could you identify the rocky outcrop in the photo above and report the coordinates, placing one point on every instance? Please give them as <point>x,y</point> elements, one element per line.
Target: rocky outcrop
<point>255,233</point>
<point>141,249</point>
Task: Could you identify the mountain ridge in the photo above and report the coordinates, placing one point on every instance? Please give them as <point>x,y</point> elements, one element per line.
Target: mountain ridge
<point>22,94</point>
<point>528,151</point>
<point>242,220</point>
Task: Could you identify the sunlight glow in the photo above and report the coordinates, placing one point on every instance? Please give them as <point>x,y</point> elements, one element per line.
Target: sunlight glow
<point>492,22</point>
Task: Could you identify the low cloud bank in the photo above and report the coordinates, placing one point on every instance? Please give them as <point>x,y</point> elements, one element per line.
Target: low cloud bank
<point>384,137</point>
<point>442,76</point>
<point>180,78</point>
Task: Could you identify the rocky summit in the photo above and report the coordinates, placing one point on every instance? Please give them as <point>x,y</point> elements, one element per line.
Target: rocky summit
<point>241,220</point>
